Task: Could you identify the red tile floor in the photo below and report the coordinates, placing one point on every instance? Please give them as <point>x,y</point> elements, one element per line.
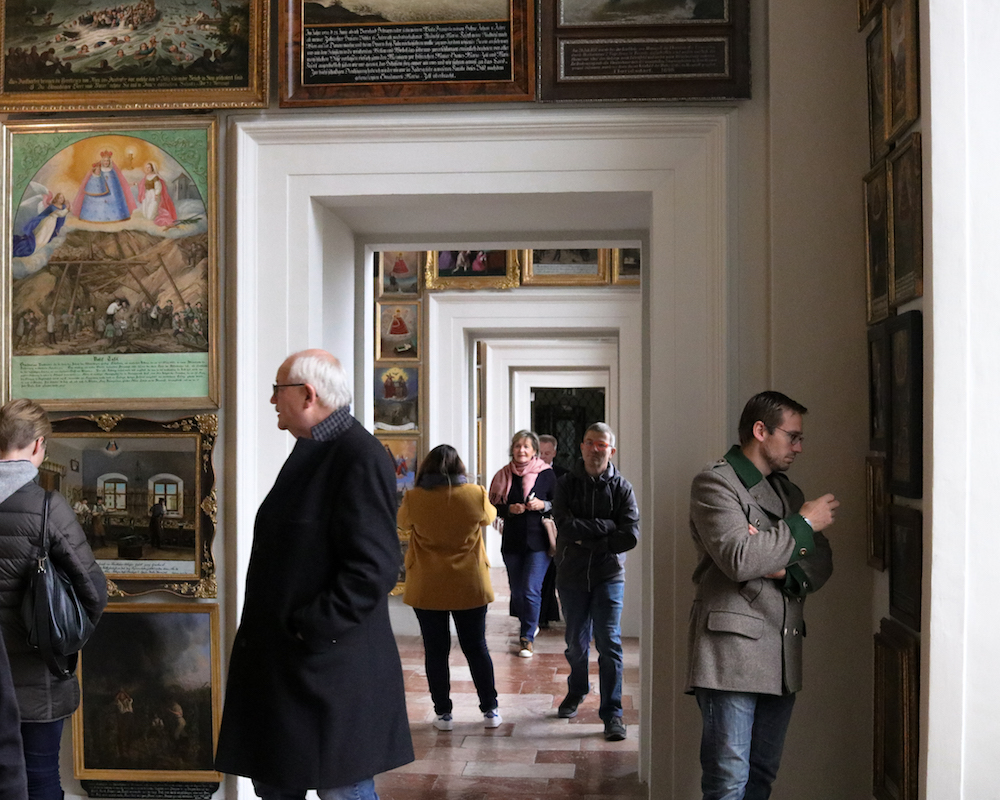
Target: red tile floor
<point>533,755</point>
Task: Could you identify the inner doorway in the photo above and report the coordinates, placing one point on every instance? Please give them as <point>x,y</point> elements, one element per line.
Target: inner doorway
<point>565,413</point>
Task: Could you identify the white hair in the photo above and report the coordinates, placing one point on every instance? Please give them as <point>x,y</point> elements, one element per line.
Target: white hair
<point>326,376</point>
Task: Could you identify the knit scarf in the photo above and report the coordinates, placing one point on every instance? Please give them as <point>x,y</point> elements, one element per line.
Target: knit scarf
<point>528,472</point>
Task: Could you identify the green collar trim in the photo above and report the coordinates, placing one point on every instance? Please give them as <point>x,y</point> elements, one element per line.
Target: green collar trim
<point>743,467</point>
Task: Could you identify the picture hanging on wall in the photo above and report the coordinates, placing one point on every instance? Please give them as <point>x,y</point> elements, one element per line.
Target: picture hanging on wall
<point>473,269</point>
<point>128,467</point>
<point>906,231</point>
<point>626,266</point>
<point>350,52</point>
<point>877,497</point>
<point>876,193</point>
<point>906,415</point>
<point>897,709</point>
<point>879,385</point>
<point>875,56</point>
<point>112,263</point>
<point>404,452</point>
<point>74,55</point>
<point>151,699</point>
<point>644,50</point>
<point>397,336</point>
<point>905,564</point>
<point>566,266</point>
<point>397,393</point>
<point>901,42</point>
<point>867,11</point>
<point>397,273</point>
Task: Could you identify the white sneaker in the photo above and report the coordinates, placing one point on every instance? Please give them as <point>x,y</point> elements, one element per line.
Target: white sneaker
<point>443,722</point>
<point>492,719</point>
<point>525,651</point>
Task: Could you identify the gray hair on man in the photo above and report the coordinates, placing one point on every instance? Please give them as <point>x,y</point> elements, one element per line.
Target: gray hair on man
<point>326,375</point>
<point>601,427</point>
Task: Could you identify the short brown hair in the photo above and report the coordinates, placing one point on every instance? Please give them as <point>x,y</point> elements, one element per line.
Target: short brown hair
<point>769,408</point>
<point>21,422</point>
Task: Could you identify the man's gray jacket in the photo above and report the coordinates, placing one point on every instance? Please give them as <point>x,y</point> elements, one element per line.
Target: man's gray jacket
<point>745,631</point>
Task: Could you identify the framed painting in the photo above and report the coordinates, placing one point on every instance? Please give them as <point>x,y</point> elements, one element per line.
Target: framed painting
<point>145,497</point>
<point>405,453</point>
<point>906,230</point>
<point>610,50</point>
<point>397,336</point>
<point>878,143</point>
<point>902,71</point>
<point>877,502</point>
<point>876,193</point>
<point>150,695</point>
<point>397,273</point>
<point>404,545</point>
<point>867,11</point>
<point>879,383</point>
<point>349,52</point>
<point>905,564</point>
<point>897,709</point>
<point>906,415</point>
<point>110,252</point>
<point>566,267</point>
<point>473,269</point>
<point>626,266</point>
<point>397,398</point>
<point>72,55</point>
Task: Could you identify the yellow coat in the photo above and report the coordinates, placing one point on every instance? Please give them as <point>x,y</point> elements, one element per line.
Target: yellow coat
<point>446,564</point>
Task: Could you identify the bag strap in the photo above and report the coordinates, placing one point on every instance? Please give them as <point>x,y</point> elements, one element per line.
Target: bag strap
<point>43,615</point>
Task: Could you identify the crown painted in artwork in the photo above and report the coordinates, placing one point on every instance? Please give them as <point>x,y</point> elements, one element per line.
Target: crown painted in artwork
<point>106,153</point>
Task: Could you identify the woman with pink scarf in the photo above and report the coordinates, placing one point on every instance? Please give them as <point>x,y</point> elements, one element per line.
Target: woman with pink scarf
<point>522,493</point>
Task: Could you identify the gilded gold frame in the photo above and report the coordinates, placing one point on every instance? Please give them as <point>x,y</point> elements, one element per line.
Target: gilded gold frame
<point>617,265</point>
<point>568,273</point>
<point>509,280</point>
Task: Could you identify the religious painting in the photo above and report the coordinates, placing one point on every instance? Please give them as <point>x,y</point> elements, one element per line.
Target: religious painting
<point>397,392</point>
<point>906,230</point>
<point>103,55</point>
<point>879,386</point>
<point>397,336</point>
<point>626,266</point>
<point>875,57</point>
<point>897,709</point>
<point>404,451</point>
<point>343,52</point>
<point>899,22</point>
<point>643,50</point>
<point>566,266</point>
<point>877,243</point>
<point>144,494</point>
<point>397,273</point>
<point>112,264</point>
<point>906,393</point>
<point>150,695</point>
<point>877,497</point>
<point>905,564</point>
<point>473,269</point>
<point>867,11</point>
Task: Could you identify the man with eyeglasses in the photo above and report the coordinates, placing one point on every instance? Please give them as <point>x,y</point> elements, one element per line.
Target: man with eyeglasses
<point>598,520</point>
<point>315,697</point>
<point>760,553</point>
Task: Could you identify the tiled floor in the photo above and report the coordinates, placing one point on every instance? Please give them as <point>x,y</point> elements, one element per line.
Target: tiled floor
<point>533,754</point>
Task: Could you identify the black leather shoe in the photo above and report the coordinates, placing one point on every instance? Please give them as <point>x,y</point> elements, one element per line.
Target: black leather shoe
<point>569,705</point>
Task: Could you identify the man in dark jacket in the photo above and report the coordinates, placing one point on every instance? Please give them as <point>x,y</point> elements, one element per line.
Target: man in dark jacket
<point>315,696</point>
<point>598,520</point>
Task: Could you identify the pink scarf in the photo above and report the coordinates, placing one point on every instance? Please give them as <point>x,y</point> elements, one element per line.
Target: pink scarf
<point>500,486</point>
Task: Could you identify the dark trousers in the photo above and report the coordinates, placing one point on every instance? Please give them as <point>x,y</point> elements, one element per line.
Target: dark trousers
<point>41,758</point>
<point>436,632</point>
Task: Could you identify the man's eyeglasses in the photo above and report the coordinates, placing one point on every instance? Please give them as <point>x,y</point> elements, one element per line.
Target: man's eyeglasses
<point>599,446</point>
<point>276,386</point>
<point>794,438</point>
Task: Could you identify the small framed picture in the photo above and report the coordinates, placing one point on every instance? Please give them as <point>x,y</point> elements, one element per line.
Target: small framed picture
<point>905,564</point>
<point>473,269</point>
<point>897,710</point>
<point>875,57</point>
<point>877,497</point>
<point>397,273</point>
<point>566,267</point>
<point>151,699</point>
<point>626,266</point>
<point>906,233</point>
<point>899,23</point>
<point>404,452</point>
<point>398,334</point>
<point>906,399</point>
<point>397,396</point>
<point>877,243</point>
<point>879,383</point>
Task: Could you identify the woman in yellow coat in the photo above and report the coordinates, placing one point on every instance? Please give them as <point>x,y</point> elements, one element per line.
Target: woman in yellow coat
<point>447,572</point>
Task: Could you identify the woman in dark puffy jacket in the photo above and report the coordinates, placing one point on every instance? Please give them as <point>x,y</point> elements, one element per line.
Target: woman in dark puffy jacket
<point>44,700</point>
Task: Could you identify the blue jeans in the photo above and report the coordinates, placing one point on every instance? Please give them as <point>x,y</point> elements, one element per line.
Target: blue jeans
<point>41,758</point>
<point>471,627</point>
<point>742,737</point>
<point>526,572</point>
<point>362,790</point>
<point>597,612</point>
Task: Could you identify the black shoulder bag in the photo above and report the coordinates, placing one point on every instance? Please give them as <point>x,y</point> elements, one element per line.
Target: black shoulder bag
<point>56,621</point>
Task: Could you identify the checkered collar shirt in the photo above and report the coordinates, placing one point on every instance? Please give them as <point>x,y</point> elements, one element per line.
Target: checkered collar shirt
<point>334,425</point>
